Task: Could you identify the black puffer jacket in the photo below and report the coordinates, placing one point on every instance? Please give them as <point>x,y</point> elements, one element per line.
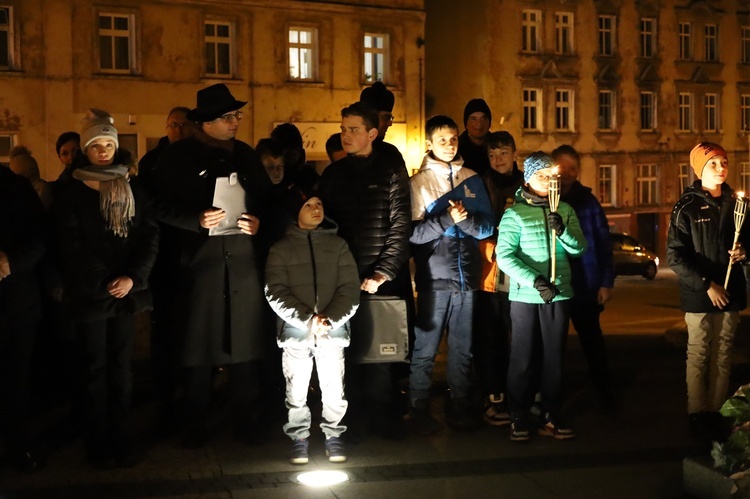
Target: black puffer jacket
<point>369,199</point>
<point>700,236</point>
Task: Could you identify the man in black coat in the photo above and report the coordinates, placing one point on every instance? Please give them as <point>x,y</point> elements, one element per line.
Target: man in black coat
<point>221,286</point>
<point>367,194</point>
<point>21,248</point>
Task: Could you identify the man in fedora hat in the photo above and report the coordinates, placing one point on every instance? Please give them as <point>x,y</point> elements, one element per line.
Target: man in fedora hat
<point>221,289</point>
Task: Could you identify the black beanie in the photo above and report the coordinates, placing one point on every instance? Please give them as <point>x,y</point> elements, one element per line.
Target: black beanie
<point>378,97</point>
<point>298,196</point>
<point>477,106</point>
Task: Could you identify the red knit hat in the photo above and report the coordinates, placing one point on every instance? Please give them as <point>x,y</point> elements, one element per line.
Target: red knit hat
<point>702,153</point>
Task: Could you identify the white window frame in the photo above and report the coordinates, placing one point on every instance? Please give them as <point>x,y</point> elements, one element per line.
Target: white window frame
<point>745,113</point>
<point>607,35</point>
<point>531,31</point>
<point>299,70</point>
<point>685,112</point>
<point>647,183</point>
<point>532,109</point>
<point>607,116</point>
<point>711,43</point>
<point>745,176</point>
<point>745,43</point>
<point>564,110</point>
<point>564,34</point>
<point>114,33</point>
<point>214,42</point>
<point>648,37</point>
<point>685,176</point>
<point>685,34</point>
<point>10,33</point>
<point>607,184</point>
<point>375,57</point>
<point>12,137</point>
<point>648,103</point>
<point>711,112</point>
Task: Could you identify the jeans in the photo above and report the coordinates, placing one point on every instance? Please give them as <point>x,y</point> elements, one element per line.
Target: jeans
<point>532,323</point>
<point>297,363</point>
<point>439,311</point>
<point>710,339</point>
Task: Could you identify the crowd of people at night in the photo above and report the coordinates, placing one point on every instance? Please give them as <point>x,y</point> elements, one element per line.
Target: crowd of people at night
<point>251,268</point>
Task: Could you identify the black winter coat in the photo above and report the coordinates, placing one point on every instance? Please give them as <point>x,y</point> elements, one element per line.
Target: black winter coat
<point>369,199</point>
<point>701,232</point>
<point>92,256</point>
<point>221,285</point>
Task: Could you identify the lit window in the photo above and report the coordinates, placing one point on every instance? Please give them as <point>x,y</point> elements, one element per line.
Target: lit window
<point>711,112</point>
<point>685,112</point>
<point>648,111</point>
<point>303,53</point>
<point>564,110</point>
<point>6,37</point>
<point>745,42</point>
<point>563,33</point>
<point>607,184</point>
<point>647,183</point>
<point>531,29</point>
<point>606,110</point>
<point>711,51</point>
<point>116,43</point>
<point>532,109</point>
<point>686,41</point>
<point>606,35</point>
<point>648,37</point>
<point>219,43</point>
<point>376,57</point>
<point>745,113</point>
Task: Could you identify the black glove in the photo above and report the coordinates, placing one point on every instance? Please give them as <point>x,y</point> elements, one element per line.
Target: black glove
<point>546,289</point>
<point>556,223</point>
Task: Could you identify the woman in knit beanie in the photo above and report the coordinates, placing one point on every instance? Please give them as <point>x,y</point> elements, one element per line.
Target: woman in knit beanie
<point>108,244</point>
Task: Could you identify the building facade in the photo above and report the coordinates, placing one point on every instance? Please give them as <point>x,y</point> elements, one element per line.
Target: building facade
<point>293,61</point>
<point>632,85</point>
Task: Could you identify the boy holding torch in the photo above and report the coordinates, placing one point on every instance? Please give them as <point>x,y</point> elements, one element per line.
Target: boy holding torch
<point>702,250</point>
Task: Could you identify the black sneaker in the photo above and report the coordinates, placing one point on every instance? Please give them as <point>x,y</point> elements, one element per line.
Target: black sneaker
<point>299,452</point>
<point>460,416</point>
<point>421,421</point>
<point>519,430</point>
<point>553,427</point>
<point>335,450</point>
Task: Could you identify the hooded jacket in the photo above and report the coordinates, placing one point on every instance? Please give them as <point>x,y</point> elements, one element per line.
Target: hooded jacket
<point>701,233</point>
<point>309,272</point>
<point>446,254</point>
<point>523,246</point>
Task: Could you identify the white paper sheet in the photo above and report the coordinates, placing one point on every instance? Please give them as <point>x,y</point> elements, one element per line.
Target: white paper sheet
<point>229,195</point>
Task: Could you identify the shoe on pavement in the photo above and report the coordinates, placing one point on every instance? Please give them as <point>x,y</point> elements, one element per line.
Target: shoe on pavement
<point>460,414</point>
<point>335,450</point>
<point>519,430</point>
<point>553,427</point>
<point>420,419</point>
<point>495,413</point>
<point>299,452</point>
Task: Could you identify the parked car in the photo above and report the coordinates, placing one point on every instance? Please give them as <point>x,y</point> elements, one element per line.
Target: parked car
<point>631,258</point>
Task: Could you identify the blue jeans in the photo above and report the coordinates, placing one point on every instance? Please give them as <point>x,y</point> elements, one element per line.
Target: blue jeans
<point>439,311</point>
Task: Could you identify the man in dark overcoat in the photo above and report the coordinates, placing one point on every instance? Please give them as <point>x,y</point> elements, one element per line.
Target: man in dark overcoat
<point>221,298</point>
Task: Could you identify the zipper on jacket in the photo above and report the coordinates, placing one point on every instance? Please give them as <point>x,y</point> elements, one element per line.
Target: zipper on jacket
<point>549,245</point>
<point>461,279</point>
<point>315,277</point>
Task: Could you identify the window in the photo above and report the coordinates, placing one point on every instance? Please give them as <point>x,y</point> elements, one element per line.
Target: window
<point>745,112</point>
<point>116,43</point>
<point>607,185</point>
<point>7,142</point>
<point>532,109</point>
<point>686,41</point>
<point>711,112</point>
<point>745,42</point>
<point>564,110</point>
<point>745,176</point>
<point>685,176</point>
<point>606,35</point>
<point>303,44</point>
<point>219,43</point>
<point>647,183</point>
<point>648,111</point>
<point>648,37</point>
<point>563,33</point>
<point>606,110</point>
<point>686,112</point>
<point>531,29</point>
<point>376,57</point>
<point>6,37</point>
<point>711,53</point>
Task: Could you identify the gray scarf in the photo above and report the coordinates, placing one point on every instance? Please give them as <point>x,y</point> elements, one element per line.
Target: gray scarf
<point>115,196</point>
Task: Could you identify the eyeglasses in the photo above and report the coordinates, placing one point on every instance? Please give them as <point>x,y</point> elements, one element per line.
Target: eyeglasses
<point>230,116</point>
<point>386,117</point>
<point>175,125</point>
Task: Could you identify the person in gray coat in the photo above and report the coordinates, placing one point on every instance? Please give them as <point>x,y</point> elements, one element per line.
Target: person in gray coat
<point>312,284</point>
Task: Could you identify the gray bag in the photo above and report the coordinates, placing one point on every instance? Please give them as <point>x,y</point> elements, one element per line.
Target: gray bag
<point>380,331</point>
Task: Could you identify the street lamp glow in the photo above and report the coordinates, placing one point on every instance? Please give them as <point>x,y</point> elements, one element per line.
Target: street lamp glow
<point>322,478</point>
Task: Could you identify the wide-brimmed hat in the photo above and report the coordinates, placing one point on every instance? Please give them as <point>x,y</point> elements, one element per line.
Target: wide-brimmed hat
<point>213,102</point>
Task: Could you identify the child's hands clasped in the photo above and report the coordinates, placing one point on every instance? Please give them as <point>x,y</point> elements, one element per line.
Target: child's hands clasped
<point>120,286</point>
<point>320,325</point>
<point>457,211</point>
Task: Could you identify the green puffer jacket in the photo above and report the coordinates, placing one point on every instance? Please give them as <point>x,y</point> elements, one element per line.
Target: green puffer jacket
<point>523,246</point>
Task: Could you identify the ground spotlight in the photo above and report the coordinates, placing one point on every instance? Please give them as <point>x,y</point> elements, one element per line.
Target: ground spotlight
<point>321,478</point>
